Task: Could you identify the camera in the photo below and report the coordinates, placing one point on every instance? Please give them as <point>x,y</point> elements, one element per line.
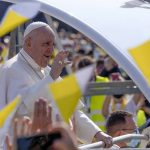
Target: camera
<point>37,142</point>
<point>115,76</point>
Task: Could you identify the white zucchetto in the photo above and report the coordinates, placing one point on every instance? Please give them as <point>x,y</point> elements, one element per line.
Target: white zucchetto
<point>33,26</point>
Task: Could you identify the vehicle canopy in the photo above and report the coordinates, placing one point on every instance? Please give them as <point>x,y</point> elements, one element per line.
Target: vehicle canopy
<point>118,26</point>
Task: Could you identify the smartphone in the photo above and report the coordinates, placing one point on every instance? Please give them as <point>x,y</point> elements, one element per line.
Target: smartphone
<point>115,76</point>
<point>37,142</point>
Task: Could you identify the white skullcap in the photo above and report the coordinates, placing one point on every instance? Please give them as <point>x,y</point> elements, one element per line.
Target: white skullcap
<point>33,26</point>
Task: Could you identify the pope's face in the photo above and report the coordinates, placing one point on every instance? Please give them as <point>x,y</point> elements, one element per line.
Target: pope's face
<point>41,46</point>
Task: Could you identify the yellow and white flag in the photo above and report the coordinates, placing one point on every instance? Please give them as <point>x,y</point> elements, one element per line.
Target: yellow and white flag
<point>6,116</point>
<point>67,92</point>
<point>141,55</point>
<point>18,14</point>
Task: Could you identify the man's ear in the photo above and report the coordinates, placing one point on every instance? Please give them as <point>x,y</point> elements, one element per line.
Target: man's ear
<point>28,42</point>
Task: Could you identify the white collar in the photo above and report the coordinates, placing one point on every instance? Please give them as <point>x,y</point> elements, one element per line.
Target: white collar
<point>28,58</point>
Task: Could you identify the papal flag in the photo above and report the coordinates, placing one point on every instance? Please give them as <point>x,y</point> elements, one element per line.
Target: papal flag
<point>141,55</point>
<point>6,116</point>
<point>18,14</point>
<point>67,92</point>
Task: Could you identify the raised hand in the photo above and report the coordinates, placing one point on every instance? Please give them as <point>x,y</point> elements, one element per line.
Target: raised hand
<point>59,63</point>
<point>42,119</point>
<point>41,123</point>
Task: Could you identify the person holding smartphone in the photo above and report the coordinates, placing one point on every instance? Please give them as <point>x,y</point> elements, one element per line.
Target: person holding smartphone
<point>30,134</point>
<point>114,102</point>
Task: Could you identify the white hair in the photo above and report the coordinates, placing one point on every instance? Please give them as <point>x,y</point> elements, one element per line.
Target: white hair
<point>33,26</point>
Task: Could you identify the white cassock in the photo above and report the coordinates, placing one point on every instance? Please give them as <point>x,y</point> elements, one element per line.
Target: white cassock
<point>21,75</point>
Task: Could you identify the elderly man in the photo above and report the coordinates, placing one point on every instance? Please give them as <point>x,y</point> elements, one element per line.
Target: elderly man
<point>28,74</point>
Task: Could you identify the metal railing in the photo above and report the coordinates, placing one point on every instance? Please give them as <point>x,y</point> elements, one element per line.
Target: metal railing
<point>112,88</point>
<point>122,138</point>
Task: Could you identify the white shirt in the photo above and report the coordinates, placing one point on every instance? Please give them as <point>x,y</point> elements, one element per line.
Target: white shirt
<point>21,75</point>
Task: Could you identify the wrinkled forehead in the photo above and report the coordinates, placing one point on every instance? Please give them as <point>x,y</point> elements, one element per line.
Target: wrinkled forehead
<point>42,33</point>
<point>46,30</point>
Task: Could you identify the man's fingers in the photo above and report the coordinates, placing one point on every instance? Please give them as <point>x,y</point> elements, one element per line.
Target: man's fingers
<point>62,55</point>
<point>43,107</point>
<point>29,131</point>
<point>22,127</point>
<point>40,107</point>
<point>8,143</point>
<point>64,63</point>
<point>49,114</point>
<point>108,142</point>
<point>35,117</point>
<point>58,64</point>
<point>49,117</point>
<point>27,120</point>
<point>42,116</point>
<point>35,109</point>
<point>15,128</point>
<point>67,62</point>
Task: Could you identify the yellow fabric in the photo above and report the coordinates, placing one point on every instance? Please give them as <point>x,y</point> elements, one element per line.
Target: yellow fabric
<point>141,119</point>
<point>66,94</point>
<point>141,55</point>
<point>11,21</point>
<point>6,111</point>
<point>4,54</point>
<point>96,103</point>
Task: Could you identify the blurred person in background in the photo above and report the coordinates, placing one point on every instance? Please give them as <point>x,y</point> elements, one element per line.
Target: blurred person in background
<point>114,102</point>
<point>133,106</point>
<point>110,66</point>
<point>120,101</point>
<point>93,103</point>
<point>100,65</point>
<point>122,123</point>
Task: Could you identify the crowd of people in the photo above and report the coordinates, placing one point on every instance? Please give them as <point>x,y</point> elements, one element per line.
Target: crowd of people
<point>28,73</point>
